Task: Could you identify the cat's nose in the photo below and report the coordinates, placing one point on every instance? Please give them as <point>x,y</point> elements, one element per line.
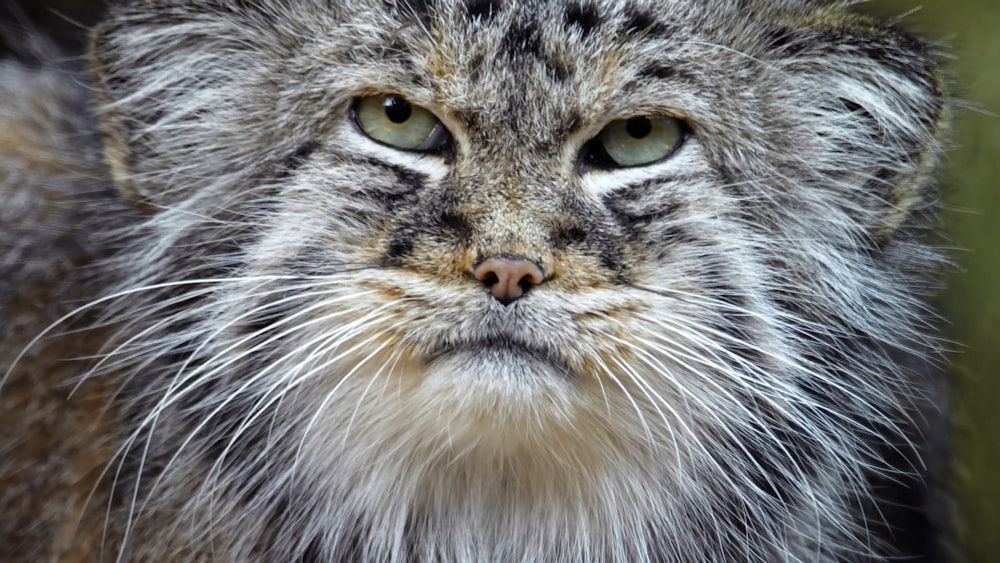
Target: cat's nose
<point>508,277</point>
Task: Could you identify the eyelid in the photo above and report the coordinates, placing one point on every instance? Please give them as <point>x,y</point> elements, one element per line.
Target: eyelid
<point>438,137</point>
<point>371,122</point>
<point>597,153</point>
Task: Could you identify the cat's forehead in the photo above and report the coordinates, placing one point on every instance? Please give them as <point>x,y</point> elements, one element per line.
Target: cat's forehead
<point>568,58</point>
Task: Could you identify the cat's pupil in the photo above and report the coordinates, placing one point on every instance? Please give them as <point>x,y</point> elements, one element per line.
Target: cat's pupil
<point>397,110</point>
<point>638,127</point>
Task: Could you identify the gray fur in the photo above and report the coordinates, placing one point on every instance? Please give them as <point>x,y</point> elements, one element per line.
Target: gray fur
<point>731,357</point>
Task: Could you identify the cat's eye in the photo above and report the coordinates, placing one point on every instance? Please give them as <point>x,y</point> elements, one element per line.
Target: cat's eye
<point>396,122</point>
<point>635,141</point>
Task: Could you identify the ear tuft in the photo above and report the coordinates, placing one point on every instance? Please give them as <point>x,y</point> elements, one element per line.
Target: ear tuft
<point>175,80</point>
<point>878,108</point>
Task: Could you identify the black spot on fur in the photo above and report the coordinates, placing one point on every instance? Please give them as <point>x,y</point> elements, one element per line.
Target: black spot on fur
<point>556,69</point>
<point>567,235</point>
<point>483,10</point>
<point>583,16</point>
<point>658,72</point>
<point>663,72</point>
<point>523,38</point>
<point>638,22</point>
<point>475,67</point>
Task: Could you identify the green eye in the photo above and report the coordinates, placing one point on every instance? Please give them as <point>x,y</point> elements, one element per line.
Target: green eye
<point>396,122</point>
<point>636,141</point>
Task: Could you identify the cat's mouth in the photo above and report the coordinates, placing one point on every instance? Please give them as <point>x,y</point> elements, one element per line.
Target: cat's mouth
<point>506,356</point>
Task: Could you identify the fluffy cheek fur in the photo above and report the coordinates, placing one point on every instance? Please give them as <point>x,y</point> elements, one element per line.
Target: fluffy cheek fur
<point>605,396</point>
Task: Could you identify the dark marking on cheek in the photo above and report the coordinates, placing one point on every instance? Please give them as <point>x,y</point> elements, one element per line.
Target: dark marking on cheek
<point>456,224</point>
<point>400,246</point>
<point>583,16</point>
<point>231,455</point>
<point>409,179</point>
<point>676,235</point>
<point>401,189</point>
<point>611,259</point>
<point>782,457</point>
<point>637,219</point>
<point>625,204</point>
<point>730,304</point>
<point>567,235</point>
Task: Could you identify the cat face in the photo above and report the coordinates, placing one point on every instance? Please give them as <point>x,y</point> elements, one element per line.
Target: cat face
<point>416,259</point>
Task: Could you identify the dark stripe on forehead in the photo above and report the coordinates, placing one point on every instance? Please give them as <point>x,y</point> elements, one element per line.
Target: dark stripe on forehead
<point>583,16</point>
<point>483,10</point>
<point>523,38</point>
<point>639,21</point>
<point>413,11</point>
<point>667,72</point>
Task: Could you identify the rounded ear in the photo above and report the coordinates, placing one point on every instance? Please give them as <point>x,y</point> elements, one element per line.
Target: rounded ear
<point>874,103</point>
<point>176,79</point>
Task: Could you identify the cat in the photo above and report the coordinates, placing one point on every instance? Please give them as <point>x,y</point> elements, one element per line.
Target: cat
<point>471,280</point>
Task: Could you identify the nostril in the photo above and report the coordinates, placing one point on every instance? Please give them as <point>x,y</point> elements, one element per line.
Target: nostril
<point>530,278</point>
<point>508,278</point>
<point>491,279</point>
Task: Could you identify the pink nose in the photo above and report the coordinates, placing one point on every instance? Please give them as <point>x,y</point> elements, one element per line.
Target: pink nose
<point>508,278</point>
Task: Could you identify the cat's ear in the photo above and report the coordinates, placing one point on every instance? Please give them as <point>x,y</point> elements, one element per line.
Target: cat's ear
<point>174,79</point>
<point>874,104</point>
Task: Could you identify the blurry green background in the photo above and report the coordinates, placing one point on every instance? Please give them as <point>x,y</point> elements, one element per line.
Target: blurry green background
<point>972,215</point>
<point>972,30</point>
